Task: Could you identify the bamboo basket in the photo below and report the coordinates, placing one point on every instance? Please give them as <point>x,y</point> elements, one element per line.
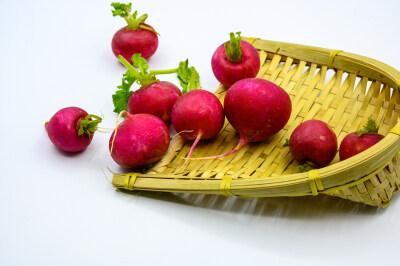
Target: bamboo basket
<point>339,88</point>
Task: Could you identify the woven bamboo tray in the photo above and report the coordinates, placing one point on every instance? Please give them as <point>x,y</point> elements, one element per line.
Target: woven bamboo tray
<point>337,87</point>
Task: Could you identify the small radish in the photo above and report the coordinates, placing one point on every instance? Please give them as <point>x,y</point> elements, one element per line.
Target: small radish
<point>154,97</point>
<point>198,114</point>
<point>139,140</point>
<point>359,141</point>
<point>71,129</point>
<point>137,37</point>
<point>257,109</point>
<point>313,143</point>
<point>235,60</point>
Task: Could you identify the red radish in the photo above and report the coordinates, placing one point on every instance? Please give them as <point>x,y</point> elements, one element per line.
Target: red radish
<point>257,109</point>
<point>313,142</point>
<point>235,60</point>
<point>71,129</point>
<point>139,140</point>
<point>199,114</point>
<point>357,142</point>
<point>137,37</point>
<point>154,97</point>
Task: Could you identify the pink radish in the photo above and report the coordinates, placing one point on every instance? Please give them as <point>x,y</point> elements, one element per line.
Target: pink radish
<point>198,114</point>
<point>71,129</point>
<point>235,60</point>
<point>154,97</point>
<point>257,109</point>
<point>139,140</point>
<point>137,37</point>
<point>357,142</point>
<point>313,142</point>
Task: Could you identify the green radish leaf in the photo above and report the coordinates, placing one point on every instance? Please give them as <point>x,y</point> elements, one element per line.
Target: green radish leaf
<point>370,127</point>
<point>188,77</point>
<point>121,10</point>
<point>305,167</point>
<point>121,96</point>
<point>233,48</point>
<point>286,143</point>
<point>139,61</point>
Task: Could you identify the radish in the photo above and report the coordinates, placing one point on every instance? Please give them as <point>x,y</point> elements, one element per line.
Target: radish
<point>257,109</point>
<point>198,114</point>
<point>314,143</point>
<point>235,60</point>
<point>71,129</point>
<point>141,139</point>
<point>137,37</point>
<point>359,141</point>
<point>154,97</point>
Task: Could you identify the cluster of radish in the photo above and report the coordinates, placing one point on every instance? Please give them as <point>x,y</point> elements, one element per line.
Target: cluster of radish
<point>257,109</point>
<point>313,143</point>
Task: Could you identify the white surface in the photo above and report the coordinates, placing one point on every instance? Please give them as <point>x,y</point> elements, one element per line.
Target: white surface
<point>58,209</point>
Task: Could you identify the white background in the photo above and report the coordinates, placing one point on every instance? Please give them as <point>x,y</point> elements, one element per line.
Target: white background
<point>59,209</point>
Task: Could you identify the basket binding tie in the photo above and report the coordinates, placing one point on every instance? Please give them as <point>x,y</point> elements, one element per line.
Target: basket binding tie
<point>315,182</point>
<point>332,57</point>
<point>225,187</point>
<point>130,180</point>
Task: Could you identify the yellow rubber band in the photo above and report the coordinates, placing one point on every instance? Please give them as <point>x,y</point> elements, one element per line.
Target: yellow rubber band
<point>315,182</point>
<point>251,40</point>
<point>225,187</point>
<point>332,57</point>
<point>130,180</point>
<point>395,130</point>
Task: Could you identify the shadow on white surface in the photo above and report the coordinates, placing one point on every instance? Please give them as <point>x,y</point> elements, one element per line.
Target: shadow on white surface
<point>284,207</point>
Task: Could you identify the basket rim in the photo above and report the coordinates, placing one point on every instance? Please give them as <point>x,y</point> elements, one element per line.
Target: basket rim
<point>331,176</point>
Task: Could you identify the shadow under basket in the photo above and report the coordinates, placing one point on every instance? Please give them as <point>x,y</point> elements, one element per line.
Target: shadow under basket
<point>339,88</point>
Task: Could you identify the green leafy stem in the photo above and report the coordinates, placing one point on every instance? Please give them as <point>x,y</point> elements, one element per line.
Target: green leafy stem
<point>134,22</point>
<point>188,76</point>
<point>233,48</point>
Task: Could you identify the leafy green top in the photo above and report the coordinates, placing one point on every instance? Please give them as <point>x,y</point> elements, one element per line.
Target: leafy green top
<point>188,77</point>
<point>306,167</point>
<point>121,96</point>
<point>370,127</point>
<point>134,22</point>
<point>286,143</point>
<point>88,126</point>
<point>233,48</point>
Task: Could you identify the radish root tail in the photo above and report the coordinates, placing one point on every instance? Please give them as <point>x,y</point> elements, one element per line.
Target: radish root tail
<point>239,146</point>
<point>198,137</point>
<point>116,128</point>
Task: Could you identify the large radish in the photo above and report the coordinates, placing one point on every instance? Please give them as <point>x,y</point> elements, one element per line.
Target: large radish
<point>257,109</point>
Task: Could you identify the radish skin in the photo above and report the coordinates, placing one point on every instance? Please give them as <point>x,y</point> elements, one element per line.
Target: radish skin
<point>127,42</point>
<point>141,139</point>
<point>157,99</point>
